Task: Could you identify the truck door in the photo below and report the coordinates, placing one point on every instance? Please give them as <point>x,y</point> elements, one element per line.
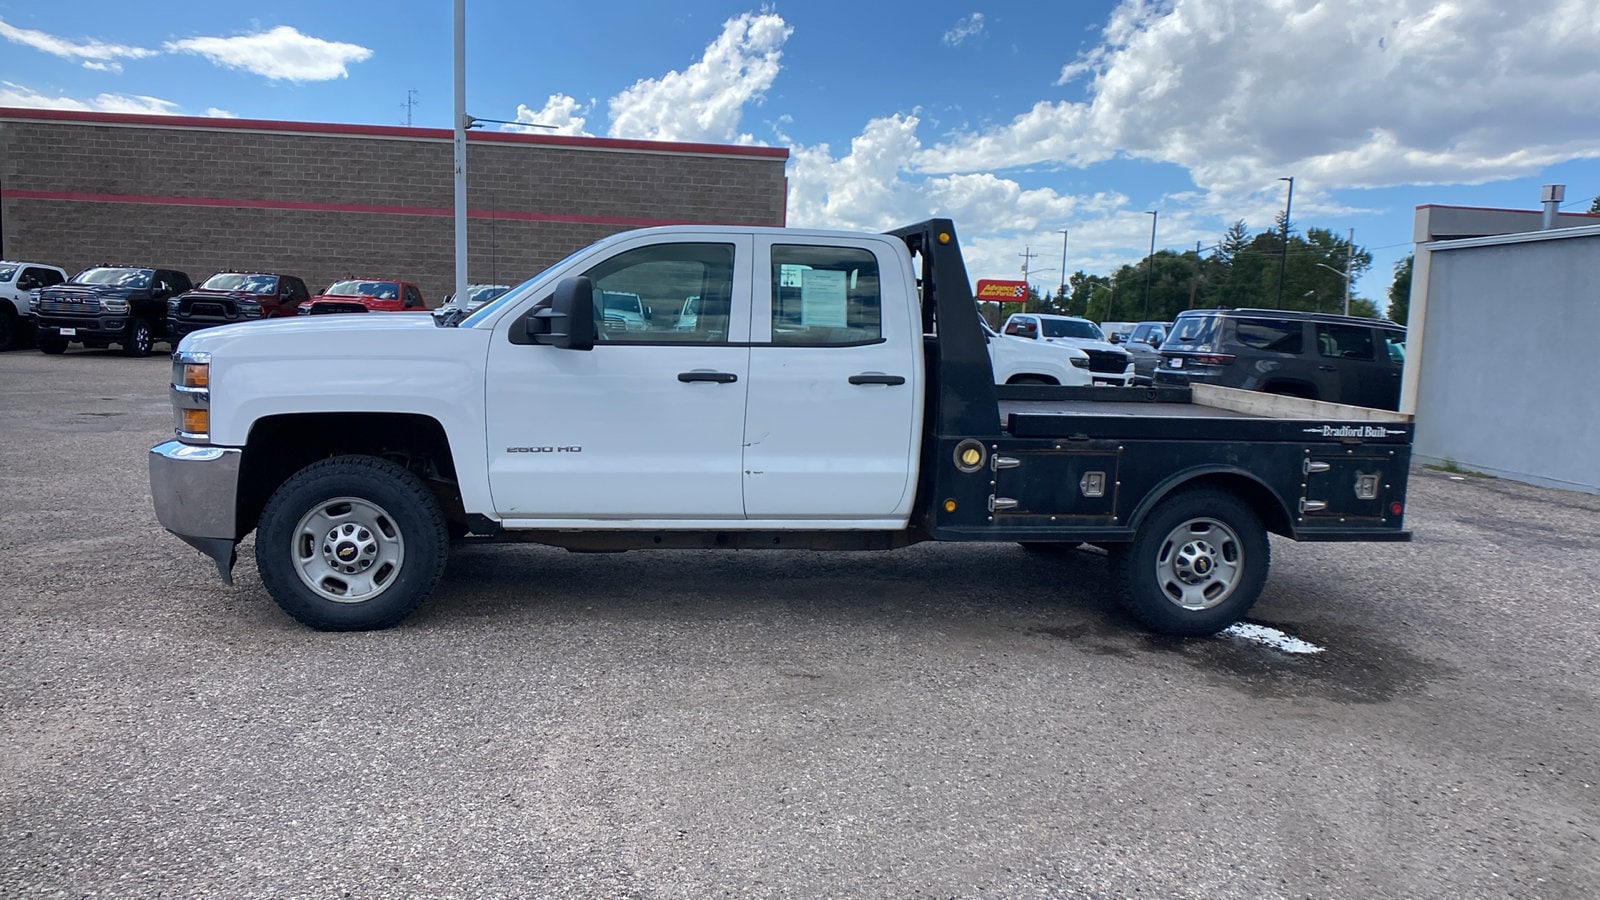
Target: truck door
<point>1364,378</point>
<point>650,423</point>
<point>835,382</point>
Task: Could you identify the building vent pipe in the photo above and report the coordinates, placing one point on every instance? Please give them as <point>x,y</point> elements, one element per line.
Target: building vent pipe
<point>1551,195</point>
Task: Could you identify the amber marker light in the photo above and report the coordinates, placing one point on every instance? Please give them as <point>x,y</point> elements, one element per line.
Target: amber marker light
<point>944,237</point>
<point>196,375</point>
<point>949,506</point>
<point>197,421</point>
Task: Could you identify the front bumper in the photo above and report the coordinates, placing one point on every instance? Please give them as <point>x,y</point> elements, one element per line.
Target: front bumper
<point>106,327</point>
<point>195,491</point>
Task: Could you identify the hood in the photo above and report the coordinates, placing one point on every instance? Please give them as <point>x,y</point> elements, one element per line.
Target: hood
<point>98,291</point>
<point>228,295</point>
<point>334,334</point>
<point>1086,344</point>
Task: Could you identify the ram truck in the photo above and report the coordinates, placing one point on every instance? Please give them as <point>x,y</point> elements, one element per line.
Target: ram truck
<point>835,393</point>
<point>360,295</point>
<point>105,305</point>
<point>229,297</point>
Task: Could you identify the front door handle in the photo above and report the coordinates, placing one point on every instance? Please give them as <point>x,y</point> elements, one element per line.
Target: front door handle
<point>1327,368</point>
<point>715,377</point>
<point>877,379</point>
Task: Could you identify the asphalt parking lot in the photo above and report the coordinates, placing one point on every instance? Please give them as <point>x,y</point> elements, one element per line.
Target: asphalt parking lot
<point>967,721</point>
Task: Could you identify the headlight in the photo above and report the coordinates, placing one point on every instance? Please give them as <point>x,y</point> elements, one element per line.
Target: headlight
<point>249,310</point>
<point>191,394</point>
<point>172,306</point>
<point>304,309</point>
<point>1080,362</point>
<point>33,303</point>
<point>115,306</point>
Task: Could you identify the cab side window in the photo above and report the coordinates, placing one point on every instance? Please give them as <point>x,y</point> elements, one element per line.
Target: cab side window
<point>644,295</point>
<point>825,296</point>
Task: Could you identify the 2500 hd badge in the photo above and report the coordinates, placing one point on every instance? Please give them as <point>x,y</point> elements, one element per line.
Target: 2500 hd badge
<point>544,449</point>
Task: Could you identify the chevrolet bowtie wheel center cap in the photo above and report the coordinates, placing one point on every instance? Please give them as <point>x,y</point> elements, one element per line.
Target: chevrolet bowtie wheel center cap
<point>349,548</point>
<point>1195,562</point>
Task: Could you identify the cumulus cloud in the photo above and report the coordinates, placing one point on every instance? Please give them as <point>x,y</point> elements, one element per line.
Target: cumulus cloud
<point>705,101</point>
<point>1358,94</point>
<point>282,54</point>
<point>564,113</point>
<point>216,113</point>
<point>964,28</point>
<point>97,55</point>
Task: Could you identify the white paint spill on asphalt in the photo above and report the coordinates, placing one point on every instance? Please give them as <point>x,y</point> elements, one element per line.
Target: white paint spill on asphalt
<point>1270,637</point>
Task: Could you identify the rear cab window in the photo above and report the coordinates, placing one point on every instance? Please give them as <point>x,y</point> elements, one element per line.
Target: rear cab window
<point>1273,335</point>
<point>1192,332</point>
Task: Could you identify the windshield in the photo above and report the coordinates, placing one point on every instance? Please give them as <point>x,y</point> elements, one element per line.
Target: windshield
<point>488,309</point>
<point>6,272</point>
<point>1071,328</point>
<point>128,278</point>
<point>622,302</point>
<point>483,293</point>
<point>1193,330</point>
<point>381,290</point>
<point>233,281</point>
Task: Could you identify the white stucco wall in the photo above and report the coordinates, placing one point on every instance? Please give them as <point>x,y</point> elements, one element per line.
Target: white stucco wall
<point>1508,373</point>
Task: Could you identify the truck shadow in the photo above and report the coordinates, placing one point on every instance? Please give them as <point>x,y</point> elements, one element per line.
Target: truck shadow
<point>986,595</point>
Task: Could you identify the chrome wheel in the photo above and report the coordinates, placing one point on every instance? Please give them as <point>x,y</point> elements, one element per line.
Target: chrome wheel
<point>348,550</point>
<point>1199,563</point>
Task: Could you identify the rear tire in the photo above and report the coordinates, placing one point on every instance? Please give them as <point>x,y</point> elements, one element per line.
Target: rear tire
<point>1197,565</point>
<point>351,543</point>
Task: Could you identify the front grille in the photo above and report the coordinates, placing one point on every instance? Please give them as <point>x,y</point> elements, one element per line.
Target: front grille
<point>70,307</point>
<point>1110,362</point>
<point>325,307</point>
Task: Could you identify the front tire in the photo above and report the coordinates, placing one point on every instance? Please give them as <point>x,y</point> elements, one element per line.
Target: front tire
<point>1197,565</point>
<point>52,345</point>
<point>11,330</point>
<point>351,543</point>
<point>140,339</point>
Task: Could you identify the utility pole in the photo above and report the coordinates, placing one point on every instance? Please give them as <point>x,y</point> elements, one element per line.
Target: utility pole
<point>1283,260</point>
<point>1028,256</point>
<point>1194,284</point>
<point>1150,261</point>
<point>1063,290</point>
<point>1349,263</point>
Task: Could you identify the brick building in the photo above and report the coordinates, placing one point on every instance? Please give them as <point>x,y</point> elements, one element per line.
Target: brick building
<point>325,201</point>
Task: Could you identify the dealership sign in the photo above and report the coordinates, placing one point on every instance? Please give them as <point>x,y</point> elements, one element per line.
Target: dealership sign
<point>1002,291</point>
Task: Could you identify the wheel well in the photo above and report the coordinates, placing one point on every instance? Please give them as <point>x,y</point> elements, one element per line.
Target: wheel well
<point>1260,499</point>
<point>1031,379</point>
<point>280,446</point>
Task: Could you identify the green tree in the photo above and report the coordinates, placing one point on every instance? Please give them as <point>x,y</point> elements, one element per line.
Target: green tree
<point>1594,205</point>
<point>1400,289</point>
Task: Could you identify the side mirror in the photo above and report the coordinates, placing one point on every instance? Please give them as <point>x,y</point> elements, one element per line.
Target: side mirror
<point>568,322</point>
<point>409,302</point>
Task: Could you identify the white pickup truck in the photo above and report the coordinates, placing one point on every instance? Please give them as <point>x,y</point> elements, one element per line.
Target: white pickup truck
<point>836,392</point>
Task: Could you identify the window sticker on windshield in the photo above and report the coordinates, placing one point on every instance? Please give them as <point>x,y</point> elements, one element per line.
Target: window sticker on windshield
<point>822,298</point>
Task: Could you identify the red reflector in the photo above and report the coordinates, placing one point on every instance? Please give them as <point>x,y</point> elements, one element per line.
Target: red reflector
<point>1214,360</point>
<point>1394,508</point>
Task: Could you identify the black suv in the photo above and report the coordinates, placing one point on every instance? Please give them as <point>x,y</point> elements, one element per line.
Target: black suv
<point>105,305</point>
<point>1343,359</point>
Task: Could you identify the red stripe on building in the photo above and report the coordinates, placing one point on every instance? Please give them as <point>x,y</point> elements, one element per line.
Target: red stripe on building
<point>297,206</point>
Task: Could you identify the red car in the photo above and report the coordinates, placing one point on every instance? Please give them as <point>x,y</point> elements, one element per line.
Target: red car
<point>359,295</point>
<point>228,297</point>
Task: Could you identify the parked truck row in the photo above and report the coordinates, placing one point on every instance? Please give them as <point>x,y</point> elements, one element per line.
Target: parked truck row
<point>836,391</point>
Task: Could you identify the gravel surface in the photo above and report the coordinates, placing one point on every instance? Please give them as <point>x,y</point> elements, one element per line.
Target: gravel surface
<point>945,720</point>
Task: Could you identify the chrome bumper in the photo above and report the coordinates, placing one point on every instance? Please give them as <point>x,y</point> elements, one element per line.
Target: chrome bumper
<point>195,491</point>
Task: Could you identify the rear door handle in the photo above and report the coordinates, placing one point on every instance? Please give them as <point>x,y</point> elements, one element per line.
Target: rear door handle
<point>877,379</point>
<point>715,377</point>
<point>1327,368</point>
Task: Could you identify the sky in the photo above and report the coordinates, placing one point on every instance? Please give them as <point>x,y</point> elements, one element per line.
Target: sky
<point>1019,120</point>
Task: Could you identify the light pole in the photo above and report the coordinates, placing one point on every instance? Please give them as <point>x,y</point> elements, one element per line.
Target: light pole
<point>1283,260</point>
<point>1063,289</point>
<point>1346,276</point>
<point>1150,261</point>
